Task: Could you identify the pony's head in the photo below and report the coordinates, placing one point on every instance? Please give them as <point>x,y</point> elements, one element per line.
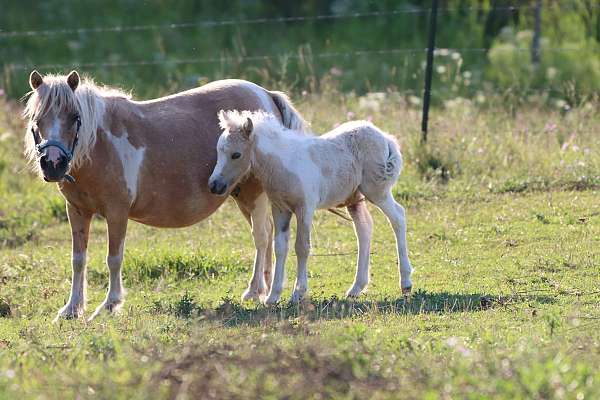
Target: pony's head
<point>234,150</point>
<point>60,131</point>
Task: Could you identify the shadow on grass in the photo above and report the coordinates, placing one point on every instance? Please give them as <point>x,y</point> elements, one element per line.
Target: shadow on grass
<point>232,313</point>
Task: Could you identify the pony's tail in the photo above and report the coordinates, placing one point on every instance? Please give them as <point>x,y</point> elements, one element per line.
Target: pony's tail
<point>290,116</point>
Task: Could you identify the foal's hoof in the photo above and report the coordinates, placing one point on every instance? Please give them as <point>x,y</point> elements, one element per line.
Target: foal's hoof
<point>272,300</point>
<point>406,290</point>
<point>297,297</point>
<point>109,307</point>
<point>355,291</point>
<point>252,295</point>
<point>69,311</point>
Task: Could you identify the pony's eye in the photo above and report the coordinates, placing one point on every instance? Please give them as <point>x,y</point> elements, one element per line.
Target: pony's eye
<point>235,156</point>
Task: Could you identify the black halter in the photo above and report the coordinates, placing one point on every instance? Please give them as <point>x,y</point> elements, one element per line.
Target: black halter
<point>41,145</point>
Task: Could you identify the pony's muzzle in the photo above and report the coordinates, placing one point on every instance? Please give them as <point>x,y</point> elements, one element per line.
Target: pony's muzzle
<point>54,168</point>
<point>217,187</point>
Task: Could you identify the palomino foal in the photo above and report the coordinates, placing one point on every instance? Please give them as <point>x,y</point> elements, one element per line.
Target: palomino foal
<point>301,173</point>
<point>148,161</point>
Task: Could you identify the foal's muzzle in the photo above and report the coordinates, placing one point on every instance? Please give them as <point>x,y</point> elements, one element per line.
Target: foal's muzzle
<point>217,187</point>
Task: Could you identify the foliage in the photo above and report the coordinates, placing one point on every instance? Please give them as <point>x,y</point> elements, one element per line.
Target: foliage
<point>306,55</point>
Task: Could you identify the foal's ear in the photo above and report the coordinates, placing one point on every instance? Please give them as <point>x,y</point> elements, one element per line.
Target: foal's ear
<point>73,80</point>
<point>35,79</point>
<point>247,127</point>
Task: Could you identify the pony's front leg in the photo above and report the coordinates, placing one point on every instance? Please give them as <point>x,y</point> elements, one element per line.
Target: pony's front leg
<point>117,228</point>
<point>261,229</point>
<point>281,219</point>
<point>304,219</point>
<point>80,230</point>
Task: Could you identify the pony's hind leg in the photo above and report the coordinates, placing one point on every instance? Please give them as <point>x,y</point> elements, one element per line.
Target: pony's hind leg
<point>117,228</point>
<point>80,230</point>
<point>363,227</point>
<point>304,221</point>
<point>281,220</point>
<point>397,217</point>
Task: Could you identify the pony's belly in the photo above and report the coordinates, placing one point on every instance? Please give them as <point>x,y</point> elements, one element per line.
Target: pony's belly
<point>168,214</point>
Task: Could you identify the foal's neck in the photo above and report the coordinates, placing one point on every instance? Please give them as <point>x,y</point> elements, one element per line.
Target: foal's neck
<point>272,150</point>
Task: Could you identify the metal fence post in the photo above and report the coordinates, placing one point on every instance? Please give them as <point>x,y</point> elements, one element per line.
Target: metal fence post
<point>429,69</point>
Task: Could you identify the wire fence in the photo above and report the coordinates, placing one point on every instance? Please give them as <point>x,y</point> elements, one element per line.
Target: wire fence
<point>265,57</point>
<point>253,21</point>
<point>234,22</point>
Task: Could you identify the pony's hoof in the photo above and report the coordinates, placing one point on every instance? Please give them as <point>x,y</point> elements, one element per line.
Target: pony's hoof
<point>69,311</point>
<point>108,307</point>
<point>406,290</point>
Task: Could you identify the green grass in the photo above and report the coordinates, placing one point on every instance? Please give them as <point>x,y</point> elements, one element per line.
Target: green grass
<point>505,304</point>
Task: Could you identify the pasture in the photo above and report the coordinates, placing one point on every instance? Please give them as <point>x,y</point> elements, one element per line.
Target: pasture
<point>503,231</point>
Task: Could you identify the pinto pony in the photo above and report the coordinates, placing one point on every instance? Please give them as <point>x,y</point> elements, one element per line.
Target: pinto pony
<point>301,173</point>
<point>148,161</point>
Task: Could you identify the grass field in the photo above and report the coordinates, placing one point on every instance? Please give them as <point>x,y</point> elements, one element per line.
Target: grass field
<point>504,231</point>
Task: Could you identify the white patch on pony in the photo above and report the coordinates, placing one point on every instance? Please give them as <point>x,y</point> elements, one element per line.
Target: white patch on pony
<point>131,159</point>
<point>54,131</point>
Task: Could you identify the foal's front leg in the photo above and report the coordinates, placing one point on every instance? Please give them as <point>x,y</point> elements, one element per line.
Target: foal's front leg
<point>261,232</point>
<point>117,228</point>
<point>80,231</point>
<point>304,219</point>
<point>281,219</point>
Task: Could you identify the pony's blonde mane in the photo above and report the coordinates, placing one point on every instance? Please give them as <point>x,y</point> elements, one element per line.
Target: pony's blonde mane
<point>88,100</point>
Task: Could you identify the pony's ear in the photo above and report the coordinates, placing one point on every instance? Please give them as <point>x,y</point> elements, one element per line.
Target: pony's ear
<point>247,127</point>
<point>73,80</point>
<point>35,79</point>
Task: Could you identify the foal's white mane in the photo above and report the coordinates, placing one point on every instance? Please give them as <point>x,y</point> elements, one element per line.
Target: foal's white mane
<point>263,123</point>
<point>88,100</point>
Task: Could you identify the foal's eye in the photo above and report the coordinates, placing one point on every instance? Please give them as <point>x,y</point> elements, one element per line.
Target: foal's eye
<point>235,156</point>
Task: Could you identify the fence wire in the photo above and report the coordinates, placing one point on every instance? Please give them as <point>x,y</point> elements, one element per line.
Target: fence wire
<point>266,57</point>
<point>251,21</point>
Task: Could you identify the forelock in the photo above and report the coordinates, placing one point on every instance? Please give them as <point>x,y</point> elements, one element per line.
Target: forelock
<point>54,94</point>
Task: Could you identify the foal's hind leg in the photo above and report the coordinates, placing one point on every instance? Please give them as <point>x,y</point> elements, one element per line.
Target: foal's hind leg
<point>397,217</point>
<point>363,227</point>
<point>80,230</point>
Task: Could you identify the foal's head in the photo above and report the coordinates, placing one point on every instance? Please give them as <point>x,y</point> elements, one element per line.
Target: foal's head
<point>54,122</point>
<point>233,151</point>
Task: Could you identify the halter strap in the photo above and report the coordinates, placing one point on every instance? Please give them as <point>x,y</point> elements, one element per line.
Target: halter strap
<point>41,145</point>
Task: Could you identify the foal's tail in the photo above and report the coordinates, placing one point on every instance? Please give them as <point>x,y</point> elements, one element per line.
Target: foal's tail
<point>290,116</point>
<point>393,163</point>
